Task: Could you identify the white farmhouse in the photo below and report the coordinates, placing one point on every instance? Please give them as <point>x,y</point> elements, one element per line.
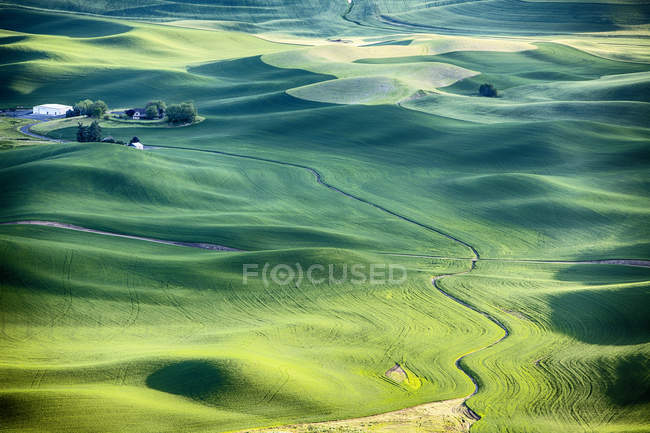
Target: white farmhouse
<point>135,142</point>
<point>51,109</point>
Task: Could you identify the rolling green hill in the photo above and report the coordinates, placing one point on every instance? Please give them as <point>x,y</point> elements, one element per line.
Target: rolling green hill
<point>577,355</point>
<point>172,334</point>
<point>326,18</point>
<point>365,145</point>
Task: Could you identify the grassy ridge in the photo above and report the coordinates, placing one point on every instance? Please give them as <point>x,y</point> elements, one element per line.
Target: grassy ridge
<point>506,17</point>
<point>578,341</point>
<point>161,338</point>
<point>153,59</point>
<point>326,18</point>
<point>528,185</point>
<point>173,332</point>
<point>572,200</point>
<point>194,197</point>
<point>547,62</point>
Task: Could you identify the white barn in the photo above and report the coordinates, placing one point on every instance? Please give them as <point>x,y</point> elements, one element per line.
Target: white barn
<point>51,109</point>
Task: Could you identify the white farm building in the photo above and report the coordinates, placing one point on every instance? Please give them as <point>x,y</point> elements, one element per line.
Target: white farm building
<point>51,109</point>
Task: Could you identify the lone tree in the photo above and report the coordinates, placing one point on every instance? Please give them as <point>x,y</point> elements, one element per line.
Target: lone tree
<point>488,90</point>
<point>181,113</point>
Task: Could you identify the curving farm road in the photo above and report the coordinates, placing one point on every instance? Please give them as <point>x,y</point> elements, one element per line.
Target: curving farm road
<point>26,130</point>
<point>201,245</point>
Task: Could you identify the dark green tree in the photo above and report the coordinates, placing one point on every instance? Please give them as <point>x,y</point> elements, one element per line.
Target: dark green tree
<point>488,90</point>
<point>97,109</point>
<point>83,107</point>
<point>155,109</point>
<point>72,113</point>
<point>94,132</point>
<point>151,112</point>
<point>82,133</point>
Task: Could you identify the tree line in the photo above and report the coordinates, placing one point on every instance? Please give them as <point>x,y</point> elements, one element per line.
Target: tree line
<point>184,112</point>
<point>88,108</point>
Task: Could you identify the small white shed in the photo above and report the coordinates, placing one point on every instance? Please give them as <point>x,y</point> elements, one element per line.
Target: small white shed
<point>51,109</point>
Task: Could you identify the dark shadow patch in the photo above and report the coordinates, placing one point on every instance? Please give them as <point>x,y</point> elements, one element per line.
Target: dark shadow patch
<point>253,70</point>
<point>14,55</point>
<point>605,316</point>
<point>198,380</point>
<point>30,21</point>
<point>600,274</point>
<point>631,384</point>
<point>11,39</point>
<point>11,409</point>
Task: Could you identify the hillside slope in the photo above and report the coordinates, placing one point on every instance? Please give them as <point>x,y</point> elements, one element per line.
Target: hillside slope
<point>328,18</point>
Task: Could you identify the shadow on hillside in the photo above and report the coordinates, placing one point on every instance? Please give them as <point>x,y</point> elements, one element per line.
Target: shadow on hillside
<point>194,379</point>
<point>629,383</point>
<point>11,409</point>
<point>606,316</point>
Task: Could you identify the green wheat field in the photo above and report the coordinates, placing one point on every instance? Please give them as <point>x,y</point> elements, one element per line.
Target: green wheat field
<point>330,133</point>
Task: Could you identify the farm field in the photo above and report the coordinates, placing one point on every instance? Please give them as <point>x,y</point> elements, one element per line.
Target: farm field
<point>331,134</point>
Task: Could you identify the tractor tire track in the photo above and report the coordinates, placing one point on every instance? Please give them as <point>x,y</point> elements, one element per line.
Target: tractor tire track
<point>38,378</point>
<point>191,317</point>
<point>173,301</point>
<point>67,289</point>
<point>131,319</point>
<point>120,379</point>
<point>134,312</point>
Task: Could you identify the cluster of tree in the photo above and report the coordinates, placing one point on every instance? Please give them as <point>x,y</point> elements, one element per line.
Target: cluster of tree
<point>488,90</point>
<point>155,109</point>
<point>90,133</point>
<point>181,113</point>
<point>87,107</point>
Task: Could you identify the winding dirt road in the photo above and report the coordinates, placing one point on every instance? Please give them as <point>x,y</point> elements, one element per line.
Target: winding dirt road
<point>25,130</point>
<point>622,262</point>
<point>459,361</point>
<point>204,246</point>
